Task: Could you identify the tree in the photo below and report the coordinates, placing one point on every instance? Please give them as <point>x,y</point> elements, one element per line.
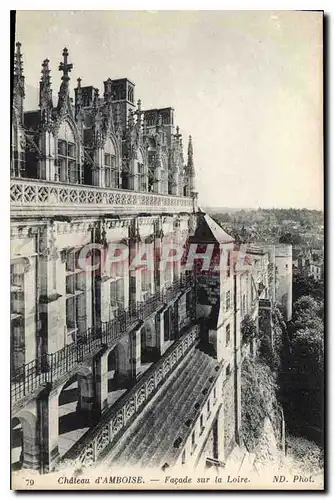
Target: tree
<point>248,329</point>
<point>268,354</point>
<point>305,305</point>
<point>290,239</point>
<point>303,374</point>
<point>307,286</point>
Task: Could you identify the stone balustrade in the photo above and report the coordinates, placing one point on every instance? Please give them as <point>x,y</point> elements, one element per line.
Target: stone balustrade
<point>30,197</point>
<point>115,421</point>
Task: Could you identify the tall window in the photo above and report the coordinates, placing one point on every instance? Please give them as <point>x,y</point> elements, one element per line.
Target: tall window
<point>244,310</point>
<point>67,166</point>
<point>18,159</point>
<point>75,296</point>
<point>229,264</point>
<point>146,279</point>
<point>228,334</point>
<point>18,163</point>
<point>110,170</point>
<point>116,292</point>
<point>17,314</point>
<point>17,288</point>
<point>151,170</point>
<point>141,177</point>
<point>130,94</point>
<point>117,284</point>
<point>228,300</point>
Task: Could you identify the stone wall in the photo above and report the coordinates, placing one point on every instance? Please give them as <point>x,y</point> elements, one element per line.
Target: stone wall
<point>229,414</point>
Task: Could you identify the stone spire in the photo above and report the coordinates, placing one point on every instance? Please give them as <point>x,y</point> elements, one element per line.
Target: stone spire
<point>159,124</point>
<point>45,91</point>
<point>78,97</point>
<point>18,82</point>
<point>98,120</point>
<point>177,135</point>
<point>131,121</point>
<point>108,99</point>
<point>118,124</point>
<point>108,95</point>
<point>96,99</point>
<point>178,139</point>
<point>18,64</point>
<point>66,68</point>
<point>190,166</point>
<point>45,95</point>
<point>139,114</point>
<point>190,163</point>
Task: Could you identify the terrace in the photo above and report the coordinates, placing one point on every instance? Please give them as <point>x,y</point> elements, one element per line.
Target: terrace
<point>31,198</point>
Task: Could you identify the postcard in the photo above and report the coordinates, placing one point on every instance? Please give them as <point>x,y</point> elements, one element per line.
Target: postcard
<point>167,253</point>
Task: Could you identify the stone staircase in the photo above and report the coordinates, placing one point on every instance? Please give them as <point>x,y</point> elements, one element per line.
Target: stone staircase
<point>151,442</point>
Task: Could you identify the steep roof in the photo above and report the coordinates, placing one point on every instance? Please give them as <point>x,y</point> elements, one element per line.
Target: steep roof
<point>209,231</point>
<point>163,428</point>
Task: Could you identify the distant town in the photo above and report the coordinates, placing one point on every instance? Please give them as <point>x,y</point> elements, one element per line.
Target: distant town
<point>302,228</point>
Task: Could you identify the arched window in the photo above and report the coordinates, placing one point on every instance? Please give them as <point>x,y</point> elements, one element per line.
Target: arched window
<point>67,166</point>
<point>151,168</point>
<point>130,94</point>
<point>110,168</point>
<point>142,183</point>
<point>18,159</point>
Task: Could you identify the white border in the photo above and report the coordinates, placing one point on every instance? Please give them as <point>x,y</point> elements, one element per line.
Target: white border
<point>327,6</point>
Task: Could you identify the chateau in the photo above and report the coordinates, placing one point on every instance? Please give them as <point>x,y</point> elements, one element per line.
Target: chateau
<point>112,362</point>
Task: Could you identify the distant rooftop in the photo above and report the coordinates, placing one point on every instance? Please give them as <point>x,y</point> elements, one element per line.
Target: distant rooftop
<point>209,231</point>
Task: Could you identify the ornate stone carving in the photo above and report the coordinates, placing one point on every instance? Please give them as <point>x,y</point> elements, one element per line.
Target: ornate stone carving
<point>63,95</point>
<point>47,247</point>
<point>44,197</point>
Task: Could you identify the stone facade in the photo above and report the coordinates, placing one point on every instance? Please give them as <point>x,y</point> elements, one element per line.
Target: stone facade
<point>96,342</point>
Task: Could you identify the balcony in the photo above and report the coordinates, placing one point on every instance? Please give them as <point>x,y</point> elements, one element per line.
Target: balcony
<point>117,419</point>
<point>51,367</point>
<point>31,197</point>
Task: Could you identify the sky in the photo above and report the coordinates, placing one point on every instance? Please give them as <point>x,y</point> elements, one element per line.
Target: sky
<point>247,85</point>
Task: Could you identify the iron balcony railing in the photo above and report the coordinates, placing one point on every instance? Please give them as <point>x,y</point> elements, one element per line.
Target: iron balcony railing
<point>51,366</point>
<point>98,440</point>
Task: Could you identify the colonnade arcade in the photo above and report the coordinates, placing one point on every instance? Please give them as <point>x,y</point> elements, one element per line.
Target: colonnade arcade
<point>63,297</point>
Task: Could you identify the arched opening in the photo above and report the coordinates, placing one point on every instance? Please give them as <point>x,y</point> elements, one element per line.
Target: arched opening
<point>125,176</point>
<point>170,327</point>
<point>17,444</point>
<point>17,298</point>
<point>148,346</point>
<point>73,421</point>
<point>142,176</point>
<point>117,374</point>
<point>67,164</point>
<point>151,156</point>
<point>24,443</point>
